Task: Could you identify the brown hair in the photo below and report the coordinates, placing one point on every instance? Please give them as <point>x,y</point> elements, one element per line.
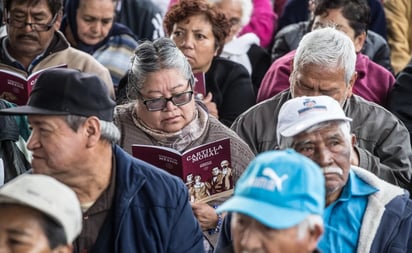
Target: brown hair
<point>187,8</point>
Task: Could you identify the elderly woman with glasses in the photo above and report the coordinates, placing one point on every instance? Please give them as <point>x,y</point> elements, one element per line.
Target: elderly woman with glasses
<point>164,112</point>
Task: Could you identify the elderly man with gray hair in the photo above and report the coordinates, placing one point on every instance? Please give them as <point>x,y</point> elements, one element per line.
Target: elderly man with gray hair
<point>363,213</point>
<point>324,64</point>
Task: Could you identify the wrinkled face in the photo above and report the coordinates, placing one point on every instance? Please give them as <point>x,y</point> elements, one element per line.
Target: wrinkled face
<point>331,150</point>
<point>57,150</point>
<point>194,37</point>
<point>26,42</point>
<point>233,12</point>
<point>249,235</point>
<point>94,20</point>
<point>166,83</point>
<point>313,80</point>
<point>335,19</point>
<point>20,230</point>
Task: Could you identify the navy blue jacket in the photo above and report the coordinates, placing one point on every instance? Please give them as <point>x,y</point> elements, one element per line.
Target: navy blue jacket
<point>151,212</point>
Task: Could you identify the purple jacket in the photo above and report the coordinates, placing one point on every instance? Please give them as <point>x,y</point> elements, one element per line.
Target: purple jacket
<point>373,83</point>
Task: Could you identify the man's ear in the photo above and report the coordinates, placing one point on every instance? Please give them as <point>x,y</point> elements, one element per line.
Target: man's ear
<point>58,22</point>
<point>359,42</point>
<point>351,83</point>
<point>314,236</point>
<point>354,140</point>
<point>92,130</point>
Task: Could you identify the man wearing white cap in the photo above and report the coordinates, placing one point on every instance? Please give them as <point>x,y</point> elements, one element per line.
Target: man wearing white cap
<point>324,64</point>
<point>363,213</point>
<point>38,214</point>
<point>277,205</point>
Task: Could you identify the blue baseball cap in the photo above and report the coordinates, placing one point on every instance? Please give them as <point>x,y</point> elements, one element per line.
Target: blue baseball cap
<point>279,189</point>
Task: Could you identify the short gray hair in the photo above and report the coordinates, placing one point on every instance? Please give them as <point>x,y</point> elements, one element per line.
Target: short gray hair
<point>150,57</point>
<point>287,142</point>
<point>326,47</point>
<point>247,9</point>
<point>109,131</point>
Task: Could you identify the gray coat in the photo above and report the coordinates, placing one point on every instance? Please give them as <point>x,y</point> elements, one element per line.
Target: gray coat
<point>382,139</point>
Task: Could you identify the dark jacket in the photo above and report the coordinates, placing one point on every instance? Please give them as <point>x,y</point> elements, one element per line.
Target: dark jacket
<point>400,99</point>
<point>150,213</point>
<point>12,128</point>
<point>260,61</point>
<point>382,139</point>
<point>295,11</point>
<point>143,17</point>
<point>287,39</point>
<point>232,88</point>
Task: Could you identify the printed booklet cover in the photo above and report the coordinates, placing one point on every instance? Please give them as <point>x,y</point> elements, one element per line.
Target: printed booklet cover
<point>16,88</point>
<point>205,169</point>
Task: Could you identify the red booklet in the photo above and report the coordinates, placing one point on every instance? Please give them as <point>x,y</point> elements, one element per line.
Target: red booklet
<point>200,84</point>
<point>205,169</point>
<point>16,88</point>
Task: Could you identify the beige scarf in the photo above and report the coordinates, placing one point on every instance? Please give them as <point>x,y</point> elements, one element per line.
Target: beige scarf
<point>179,140</point>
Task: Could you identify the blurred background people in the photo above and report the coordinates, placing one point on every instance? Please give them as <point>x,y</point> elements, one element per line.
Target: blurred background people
<point>143,17</point>
<point>32,46</point>
<point>287,39</point>
<point>399,26</point>
<point>262,22</point>
<point>400,100</point>
<point>89,25</point>
<point>351,17</point>
<point>243,48</point>
<point>200,30</point>
<point>295,11</point>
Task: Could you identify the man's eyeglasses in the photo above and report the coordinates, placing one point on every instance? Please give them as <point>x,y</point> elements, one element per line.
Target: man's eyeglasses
<point>158,104</point>
<point>37,27</point>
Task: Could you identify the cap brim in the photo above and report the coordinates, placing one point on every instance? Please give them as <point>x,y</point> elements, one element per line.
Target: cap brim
<point>267,214</point>
<point>30,110</point>
<point>302,126</point>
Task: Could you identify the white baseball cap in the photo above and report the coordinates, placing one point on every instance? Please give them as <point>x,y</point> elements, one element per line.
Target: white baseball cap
<point>48,196</point>
<point>301,113</point>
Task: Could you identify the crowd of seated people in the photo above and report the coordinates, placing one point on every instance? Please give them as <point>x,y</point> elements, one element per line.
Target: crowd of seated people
<point>82,81</point>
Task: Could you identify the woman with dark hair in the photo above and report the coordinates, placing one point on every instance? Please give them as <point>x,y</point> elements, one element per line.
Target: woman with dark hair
<point>199,30</point>
<point>89,26</point>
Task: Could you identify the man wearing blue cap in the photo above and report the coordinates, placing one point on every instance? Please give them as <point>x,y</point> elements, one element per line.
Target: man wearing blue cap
<point>277,205</point>
<point>128,205</point>
<point>363,213</point>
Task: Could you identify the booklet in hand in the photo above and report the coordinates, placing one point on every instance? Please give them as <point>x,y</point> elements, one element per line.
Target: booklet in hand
<point>16,87</point>
<point>206,169</point>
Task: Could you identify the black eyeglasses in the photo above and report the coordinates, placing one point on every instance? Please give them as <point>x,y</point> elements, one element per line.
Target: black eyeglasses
<point>17,23</point>
<point>158,104</point>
